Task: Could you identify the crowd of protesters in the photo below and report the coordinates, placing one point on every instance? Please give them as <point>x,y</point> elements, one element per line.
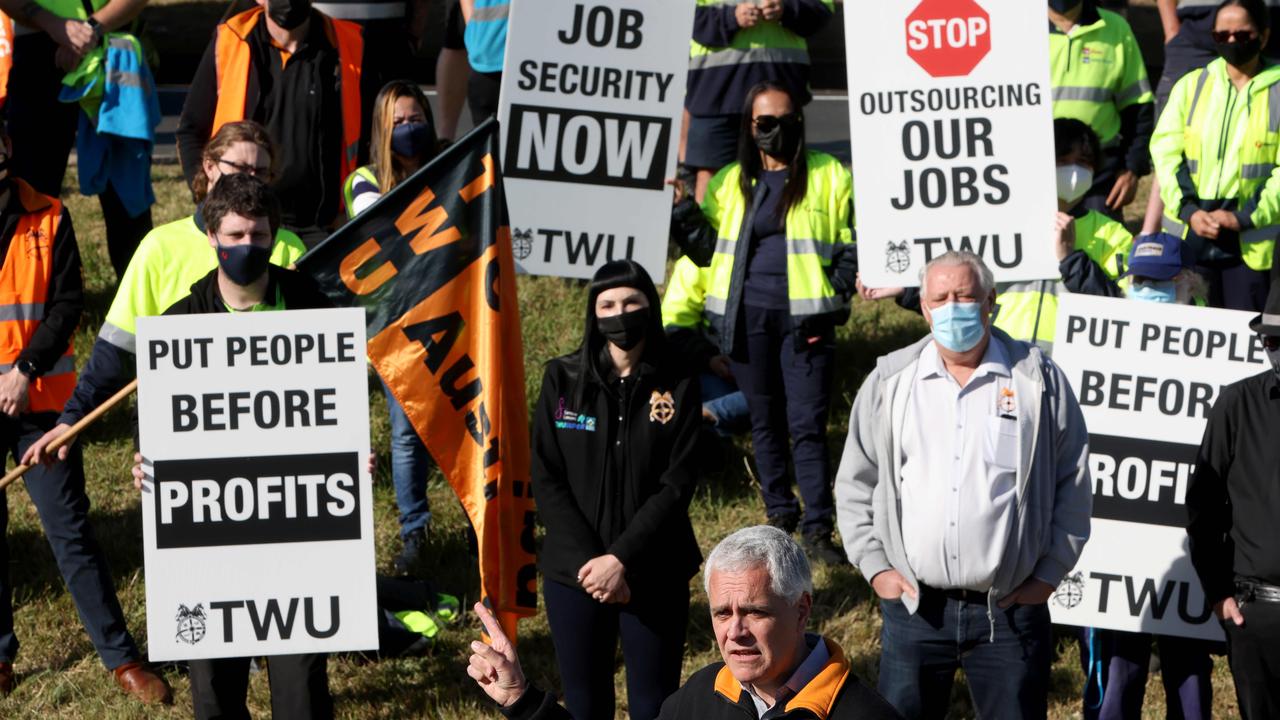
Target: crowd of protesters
<point>962,493</point>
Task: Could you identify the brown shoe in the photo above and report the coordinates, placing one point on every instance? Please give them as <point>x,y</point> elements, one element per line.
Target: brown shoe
<point>6,678</point>
<point>138,680</point>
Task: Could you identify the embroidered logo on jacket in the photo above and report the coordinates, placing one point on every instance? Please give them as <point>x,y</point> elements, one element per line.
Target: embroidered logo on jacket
<point>662,407</point>
<point>570,420</point>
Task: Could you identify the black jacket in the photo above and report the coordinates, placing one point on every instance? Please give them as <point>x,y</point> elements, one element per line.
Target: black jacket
<point>297,289</point>
<point>615,472</point>
<point>713,694</point>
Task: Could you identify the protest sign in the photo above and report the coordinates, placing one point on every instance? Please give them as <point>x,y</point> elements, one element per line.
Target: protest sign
<point>952,136</point>
<point>258,516</point>
<point>1146,376</point>
<point>588,186</point>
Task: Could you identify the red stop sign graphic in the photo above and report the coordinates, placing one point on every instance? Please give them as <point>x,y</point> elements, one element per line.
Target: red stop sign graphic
<point>948,38</point>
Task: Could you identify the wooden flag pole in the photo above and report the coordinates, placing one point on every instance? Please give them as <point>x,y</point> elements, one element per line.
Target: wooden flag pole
<point>74,430</point>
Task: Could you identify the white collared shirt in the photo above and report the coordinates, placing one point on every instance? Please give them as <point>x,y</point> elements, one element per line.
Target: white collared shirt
<point>959,471</point>
<point>806,672</point>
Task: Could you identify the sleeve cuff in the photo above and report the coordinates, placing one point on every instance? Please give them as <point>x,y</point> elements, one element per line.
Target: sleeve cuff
<point>527,706</point>
<point>1245,219</point>
<point>1188,209</point>
<point>872,564</point>
<point>1050,571</point>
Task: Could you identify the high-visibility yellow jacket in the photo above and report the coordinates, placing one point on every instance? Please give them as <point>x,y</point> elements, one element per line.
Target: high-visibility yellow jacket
<point>1216,147</point>
<point>1029,310</point>
<point>1096,72</point>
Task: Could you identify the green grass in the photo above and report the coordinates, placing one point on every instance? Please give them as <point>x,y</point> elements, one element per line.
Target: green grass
<point>59,672</point>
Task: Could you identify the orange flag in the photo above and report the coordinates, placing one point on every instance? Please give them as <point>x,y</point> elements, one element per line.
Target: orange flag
<point>431,264</point>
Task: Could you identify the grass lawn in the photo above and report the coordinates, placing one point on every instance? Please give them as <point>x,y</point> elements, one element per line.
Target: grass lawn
<point>59,673</point>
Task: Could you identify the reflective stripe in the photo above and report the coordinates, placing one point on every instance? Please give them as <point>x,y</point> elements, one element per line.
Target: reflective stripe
<point>124,79</point>
<point>65,364</point>
<point>1199,3</point>
<point>726,246</point>
<point>1084,94</point>
<point>1195,98</point>
<point>1262,234</point>
<point>815,306</point>
<point>734,56</point>
<point>1173,227</point>
<point>1253,171</point>
<point>492,12</point>
<point>1270,319</point>
<point>22,311</point>
<point>120,43</point>
<point>1273,108</point>
<point>1018,287</point>
<point>1192,165</point>
<point>717,305</point>
<point>119,337</point>
<point>362,11</point>
<point>807,246</point>
<point>1135,90</point>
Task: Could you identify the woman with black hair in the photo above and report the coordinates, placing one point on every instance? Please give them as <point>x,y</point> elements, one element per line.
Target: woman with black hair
<point>614,433</point>
<point>776,228</point>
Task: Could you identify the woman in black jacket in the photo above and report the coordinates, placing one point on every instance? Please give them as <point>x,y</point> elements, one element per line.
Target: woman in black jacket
<point>613,470</point>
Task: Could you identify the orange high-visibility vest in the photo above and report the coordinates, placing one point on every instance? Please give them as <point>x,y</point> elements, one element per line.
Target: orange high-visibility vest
<point>24,288</point>
<point>233,60</point>
<point>6,55</point>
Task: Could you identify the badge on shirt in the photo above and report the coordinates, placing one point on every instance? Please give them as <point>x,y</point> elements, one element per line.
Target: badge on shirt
<point>662,407</point>
<point>569,420</point>
<point>1006,404</point>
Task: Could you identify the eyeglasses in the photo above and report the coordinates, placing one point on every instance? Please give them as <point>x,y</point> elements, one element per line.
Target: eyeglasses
<point>1270,342</point>
<point>253,170</point>
<point>766,123</point>
<point>1240,36</point>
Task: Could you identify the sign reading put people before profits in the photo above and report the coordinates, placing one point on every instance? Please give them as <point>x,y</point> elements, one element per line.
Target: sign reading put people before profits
<point>952,136</point>
<point>1146,376</point>
<point>588,186</point>
<point>258,515</point>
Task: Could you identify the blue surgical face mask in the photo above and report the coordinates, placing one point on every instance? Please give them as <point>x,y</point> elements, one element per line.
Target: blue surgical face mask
<point>958,326</point>
<point>1161,292</point>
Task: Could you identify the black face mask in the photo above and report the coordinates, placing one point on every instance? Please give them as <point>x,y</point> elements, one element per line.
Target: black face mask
<point>1239,53</point>
<point>243,264</point>
<point>778,138</point>
<point>626,330</point>
<point>412,140</point>
<point>1062,7</point>
<point>288,14</point>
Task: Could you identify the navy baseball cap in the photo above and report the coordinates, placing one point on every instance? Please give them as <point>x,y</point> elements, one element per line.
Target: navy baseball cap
<point>1157,256</point>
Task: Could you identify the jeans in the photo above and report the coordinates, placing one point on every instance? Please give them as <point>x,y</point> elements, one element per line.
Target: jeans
<point>1115,667</point>
<point>1008,676</point>
<point>585,633</point>
<point>723,399</point>
<point>410,465</point>
<point>58,493</point>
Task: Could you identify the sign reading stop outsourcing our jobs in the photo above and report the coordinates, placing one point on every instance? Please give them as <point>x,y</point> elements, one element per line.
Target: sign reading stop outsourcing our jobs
<point>1146,376</point>
<point>258,514</point>
<point>592,94</point>
<point>952,136</point>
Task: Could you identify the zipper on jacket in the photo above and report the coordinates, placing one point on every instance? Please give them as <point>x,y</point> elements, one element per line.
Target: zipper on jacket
<point>1222,135</point>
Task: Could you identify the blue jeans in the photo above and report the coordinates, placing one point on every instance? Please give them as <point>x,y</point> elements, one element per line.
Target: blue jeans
<point>410,465</point>
<point>724,400</point>
<point>1008,676</point>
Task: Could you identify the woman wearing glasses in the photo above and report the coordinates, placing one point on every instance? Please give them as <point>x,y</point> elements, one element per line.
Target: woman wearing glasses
<point>776,228</point>
<point>1215,153</point>
<point>168,261</point>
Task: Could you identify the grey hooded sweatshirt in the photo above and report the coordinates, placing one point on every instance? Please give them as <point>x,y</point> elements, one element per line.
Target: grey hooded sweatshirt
<point>1054,494</point>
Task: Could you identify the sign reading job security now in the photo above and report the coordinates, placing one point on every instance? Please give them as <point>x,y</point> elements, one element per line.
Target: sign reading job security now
<point>952,136</point>
<point>1146,376</point>
<point>258,516</point>
<point>592,94</point>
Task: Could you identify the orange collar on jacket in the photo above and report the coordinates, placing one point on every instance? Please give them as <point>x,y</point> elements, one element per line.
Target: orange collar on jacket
<point>818,697</point>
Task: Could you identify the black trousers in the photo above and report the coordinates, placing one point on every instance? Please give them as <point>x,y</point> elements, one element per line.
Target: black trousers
<point>43,131</point>
<point>1253,650</point>
<point>788,392</point>
<point>299,688</point>
<point>58,494</point>
<point>585,633</point>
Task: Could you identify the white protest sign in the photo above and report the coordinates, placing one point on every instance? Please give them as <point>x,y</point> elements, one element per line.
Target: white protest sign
<point>592,95</point>
<point>258,520</point>
<point>952,136</point>
<point>1146,375</point>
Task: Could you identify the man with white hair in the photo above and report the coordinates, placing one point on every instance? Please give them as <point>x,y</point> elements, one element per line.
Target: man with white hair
<point>963,496</point>
<point>760,593</point>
